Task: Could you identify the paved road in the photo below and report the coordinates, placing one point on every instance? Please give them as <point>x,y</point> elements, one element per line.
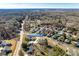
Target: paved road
<point>19,43</point>
<point>16,52</point>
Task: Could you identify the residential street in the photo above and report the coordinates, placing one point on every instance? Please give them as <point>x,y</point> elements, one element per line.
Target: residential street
<point>19,43</point>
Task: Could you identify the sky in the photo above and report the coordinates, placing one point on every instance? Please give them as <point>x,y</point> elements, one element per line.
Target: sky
<point>38,5</point>
<point>39,1</point>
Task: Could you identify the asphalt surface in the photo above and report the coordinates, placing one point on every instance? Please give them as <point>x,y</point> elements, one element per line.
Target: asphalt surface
<point>18,47</point>
<point>19,43</point>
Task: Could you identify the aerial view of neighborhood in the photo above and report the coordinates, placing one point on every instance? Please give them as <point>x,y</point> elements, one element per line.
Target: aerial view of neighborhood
<point>39,32</point>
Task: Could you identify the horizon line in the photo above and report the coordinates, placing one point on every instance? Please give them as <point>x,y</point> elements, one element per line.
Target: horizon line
<point>39,5</point>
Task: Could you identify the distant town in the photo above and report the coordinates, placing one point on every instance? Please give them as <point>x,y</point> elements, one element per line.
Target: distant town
<point>39,32</point>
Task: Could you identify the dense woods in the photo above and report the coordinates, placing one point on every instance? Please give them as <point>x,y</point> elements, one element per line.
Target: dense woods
<point>10,24</point>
